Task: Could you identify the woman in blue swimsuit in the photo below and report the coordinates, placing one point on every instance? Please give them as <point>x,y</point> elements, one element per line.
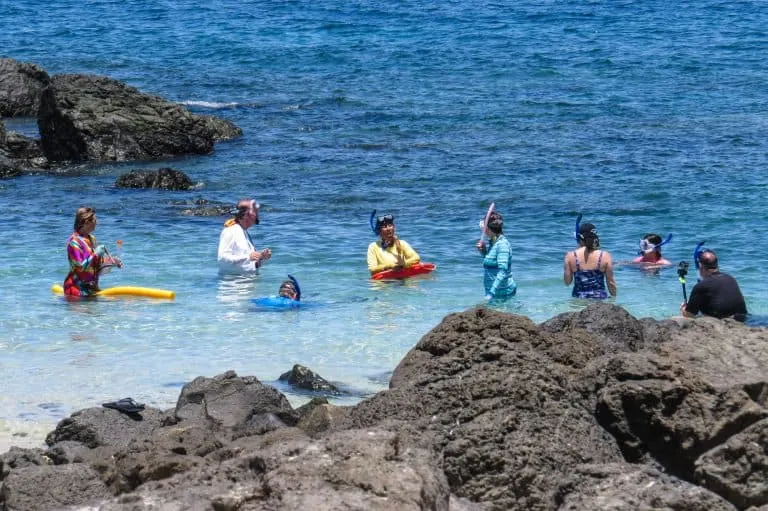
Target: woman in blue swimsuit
<point>588,267</point>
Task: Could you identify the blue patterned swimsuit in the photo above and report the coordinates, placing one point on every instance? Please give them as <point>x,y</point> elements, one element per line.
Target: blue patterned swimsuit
<point>589,283</point>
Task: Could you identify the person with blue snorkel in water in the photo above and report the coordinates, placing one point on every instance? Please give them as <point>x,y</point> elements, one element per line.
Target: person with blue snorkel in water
<point>716,294</point>
<point>497,260</point>
<point>288,296</point>
<point>389,252</point>
<point>588,267</point>
<point>650,250</point>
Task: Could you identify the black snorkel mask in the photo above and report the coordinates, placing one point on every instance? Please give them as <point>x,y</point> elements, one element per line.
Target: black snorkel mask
<point>378,222</point>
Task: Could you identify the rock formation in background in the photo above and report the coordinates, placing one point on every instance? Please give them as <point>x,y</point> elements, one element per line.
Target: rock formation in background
<point>86,118</point>
<point>21,85</point>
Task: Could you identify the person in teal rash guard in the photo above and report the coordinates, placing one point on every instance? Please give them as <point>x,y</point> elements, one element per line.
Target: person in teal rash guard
<point>499,284</point>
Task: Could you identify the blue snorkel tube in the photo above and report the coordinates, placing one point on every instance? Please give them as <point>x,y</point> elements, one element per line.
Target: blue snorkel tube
<point>372,222</point>
<point>697,251</point>
<point>296,285</point>
<point>669,238</point>
<point>576,232</point>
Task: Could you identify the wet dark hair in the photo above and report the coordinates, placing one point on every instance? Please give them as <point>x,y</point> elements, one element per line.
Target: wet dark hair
<point>588,235</point>
<point>496,223</point>
<point>653,238</point>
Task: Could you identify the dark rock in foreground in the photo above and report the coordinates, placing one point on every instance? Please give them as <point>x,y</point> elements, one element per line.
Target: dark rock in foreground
<point>591,410</point>
<point>21,85</point>
<point>164,178</point>
<point>94,118</point>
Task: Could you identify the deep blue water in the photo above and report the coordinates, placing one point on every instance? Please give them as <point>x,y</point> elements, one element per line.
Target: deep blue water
<point>644,116</point>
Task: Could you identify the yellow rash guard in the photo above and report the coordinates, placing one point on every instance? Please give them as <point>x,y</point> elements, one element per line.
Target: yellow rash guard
<point>380,259</point>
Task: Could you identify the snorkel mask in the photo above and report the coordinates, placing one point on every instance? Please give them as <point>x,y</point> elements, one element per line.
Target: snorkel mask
<point>239,212</point>
<point>378,222</point>
<point>647,247</point>
<point>293,285</point>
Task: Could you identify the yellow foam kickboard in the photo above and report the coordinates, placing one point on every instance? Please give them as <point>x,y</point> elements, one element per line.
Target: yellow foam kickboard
<point>148,292</point>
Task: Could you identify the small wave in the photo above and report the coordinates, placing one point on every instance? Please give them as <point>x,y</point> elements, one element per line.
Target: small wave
<point>213,105</point>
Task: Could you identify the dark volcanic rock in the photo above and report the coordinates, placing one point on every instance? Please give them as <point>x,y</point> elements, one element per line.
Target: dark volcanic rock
<point>164,178</point>
<point>229,401</point>
<point>623,487</point>
<point>738,469</point>
<point>501,411</point>
<point>52,488</point>
<point>21,85</point>
<point>17,458</point>
<point>204,207</point>
<point>613,326</point>
<point>304,378</point>
<point>8,168</point>
<point>94,427</point>
<point>94,118</point>
<point>18,152</point>
<point>593,410</point>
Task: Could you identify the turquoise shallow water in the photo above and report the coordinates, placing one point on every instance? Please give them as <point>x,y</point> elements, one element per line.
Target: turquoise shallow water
<point>643,116</point>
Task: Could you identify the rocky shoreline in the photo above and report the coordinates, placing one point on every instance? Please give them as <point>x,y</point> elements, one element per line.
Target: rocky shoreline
<point>589,410</point>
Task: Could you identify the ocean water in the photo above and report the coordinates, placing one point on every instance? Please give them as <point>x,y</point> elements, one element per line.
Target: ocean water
<point>644,116</point>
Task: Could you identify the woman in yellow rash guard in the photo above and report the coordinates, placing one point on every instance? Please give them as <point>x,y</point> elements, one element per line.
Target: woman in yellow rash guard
<point>389,253</point>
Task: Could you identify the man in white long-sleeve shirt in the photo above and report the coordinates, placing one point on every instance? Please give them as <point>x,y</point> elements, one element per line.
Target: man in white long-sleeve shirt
<point>237,254</point>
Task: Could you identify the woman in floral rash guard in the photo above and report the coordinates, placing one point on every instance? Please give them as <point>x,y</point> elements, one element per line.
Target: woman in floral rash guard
<point>85,256</point>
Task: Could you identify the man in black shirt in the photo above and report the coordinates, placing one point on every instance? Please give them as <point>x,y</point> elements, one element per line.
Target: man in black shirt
<point>717,294</point>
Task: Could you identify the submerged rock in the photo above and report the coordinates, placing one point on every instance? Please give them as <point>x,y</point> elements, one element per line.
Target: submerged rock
<point>165,178</point>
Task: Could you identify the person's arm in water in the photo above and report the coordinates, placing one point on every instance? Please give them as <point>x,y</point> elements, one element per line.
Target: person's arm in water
<point>407,254</point>
<point>609,278</point>
<point>567,272</point>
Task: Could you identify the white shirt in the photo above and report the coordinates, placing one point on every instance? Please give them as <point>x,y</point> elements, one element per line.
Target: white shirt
<point>235,250</point>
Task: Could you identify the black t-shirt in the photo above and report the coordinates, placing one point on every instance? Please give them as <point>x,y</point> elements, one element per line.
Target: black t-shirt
<point>718,295</point>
